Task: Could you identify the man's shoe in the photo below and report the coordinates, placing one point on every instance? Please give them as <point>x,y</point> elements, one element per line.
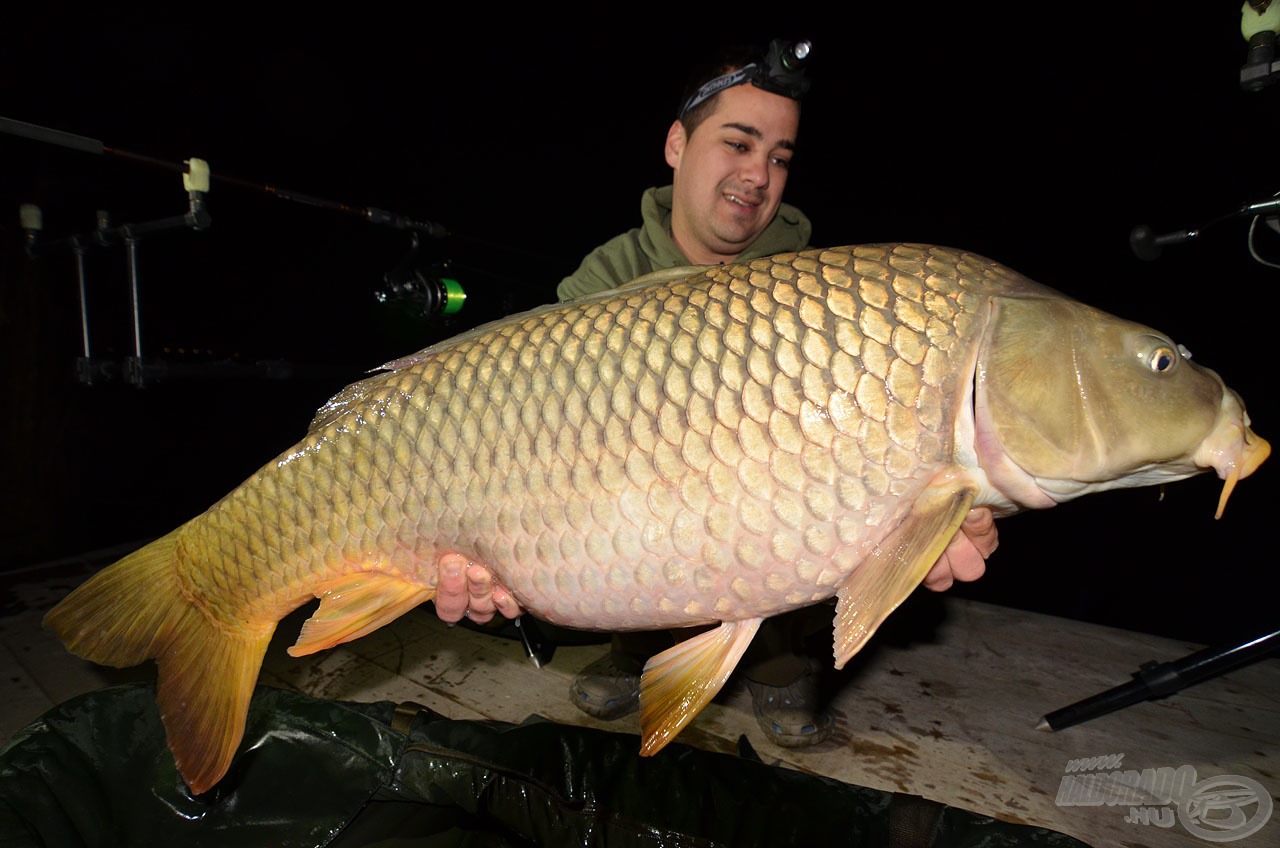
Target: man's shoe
<point>788,714</point>
<point>605,691</point>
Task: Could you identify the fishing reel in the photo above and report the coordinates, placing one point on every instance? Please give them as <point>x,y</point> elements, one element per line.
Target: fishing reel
<point>437,293</point>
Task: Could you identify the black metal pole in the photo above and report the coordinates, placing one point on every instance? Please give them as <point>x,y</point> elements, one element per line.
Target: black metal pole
<point>1157,680</point>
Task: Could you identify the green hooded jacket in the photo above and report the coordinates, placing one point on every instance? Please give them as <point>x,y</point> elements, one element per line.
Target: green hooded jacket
<point>650,247</point>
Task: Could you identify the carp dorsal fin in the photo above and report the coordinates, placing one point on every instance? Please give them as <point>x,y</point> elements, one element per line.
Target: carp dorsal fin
<point>337,406</point>
<point>897,565</point>
<point>665,275</point>
<point>677,683</point>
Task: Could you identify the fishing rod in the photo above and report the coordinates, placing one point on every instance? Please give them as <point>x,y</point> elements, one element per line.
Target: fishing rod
<point>1260,26</point>
<point>1148,245</point>
<point>435,293</point>
<point>94,146</point>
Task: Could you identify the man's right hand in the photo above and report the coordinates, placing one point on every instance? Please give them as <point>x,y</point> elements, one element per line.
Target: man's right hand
<point>965,558</point>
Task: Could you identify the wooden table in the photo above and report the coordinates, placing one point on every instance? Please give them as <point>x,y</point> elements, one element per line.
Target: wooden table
<point>943,704</point>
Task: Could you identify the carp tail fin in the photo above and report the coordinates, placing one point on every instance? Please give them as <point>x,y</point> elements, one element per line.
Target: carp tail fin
<point>118,617</point>
<point>135,610</point>
<point>207,675</point>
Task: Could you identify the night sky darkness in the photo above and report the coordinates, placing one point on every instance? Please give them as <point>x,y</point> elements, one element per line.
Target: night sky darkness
<point>1040,141</point>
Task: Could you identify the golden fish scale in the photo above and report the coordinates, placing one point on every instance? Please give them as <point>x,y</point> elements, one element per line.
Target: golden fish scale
<point>721,448</point>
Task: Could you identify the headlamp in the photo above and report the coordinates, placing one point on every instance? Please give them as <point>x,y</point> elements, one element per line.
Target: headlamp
<point>782,72</point>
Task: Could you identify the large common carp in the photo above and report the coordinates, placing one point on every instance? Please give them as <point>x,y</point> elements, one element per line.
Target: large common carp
<point>701,446</point>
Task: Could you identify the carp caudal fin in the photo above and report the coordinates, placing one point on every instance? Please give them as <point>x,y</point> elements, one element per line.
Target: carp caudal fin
<point>136,610</point>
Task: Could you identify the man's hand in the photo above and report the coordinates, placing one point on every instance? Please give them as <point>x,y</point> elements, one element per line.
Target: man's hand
<point>965,558</point>
<point>467,588</point>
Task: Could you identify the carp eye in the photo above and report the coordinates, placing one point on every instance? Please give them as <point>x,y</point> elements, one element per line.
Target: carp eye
<point>1162,359</point>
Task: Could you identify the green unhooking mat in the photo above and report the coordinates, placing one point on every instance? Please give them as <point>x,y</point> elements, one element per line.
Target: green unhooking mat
<point>95,772</point>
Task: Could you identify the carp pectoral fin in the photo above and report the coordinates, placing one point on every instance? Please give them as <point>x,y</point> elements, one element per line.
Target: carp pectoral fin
<point>677,683</point>
<point>897,565</point>
<point>356,605</point>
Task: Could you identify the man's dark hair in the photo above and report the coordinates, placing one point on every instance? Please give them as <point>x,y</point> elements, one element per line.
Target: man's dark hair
<point>725,61</point>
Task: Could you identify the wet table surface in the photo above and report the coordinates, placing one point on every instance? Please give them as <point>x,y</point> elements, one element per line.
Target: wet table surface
<point>944,704</point>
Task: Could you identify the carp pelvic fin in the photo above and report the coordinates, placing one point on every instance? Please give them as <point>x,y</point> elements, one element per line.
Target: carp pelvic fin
<point>897,566</point>
<point>677,683</point>
<point>356,605</point>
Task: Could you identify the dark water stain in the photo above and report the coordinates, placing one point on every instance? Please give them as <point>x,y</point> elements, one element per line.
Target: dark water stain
<point>938,688</point>
<point>863,748</point>
<point>933,732</point>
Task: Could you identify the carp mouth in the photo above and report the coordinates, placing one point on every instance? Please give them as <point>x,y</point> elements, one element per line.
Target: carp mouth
<point>1233,450</point>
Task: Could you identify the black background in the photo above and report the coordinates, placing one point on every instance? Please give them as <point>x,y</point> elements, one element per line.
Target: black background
<point>1039,137</point>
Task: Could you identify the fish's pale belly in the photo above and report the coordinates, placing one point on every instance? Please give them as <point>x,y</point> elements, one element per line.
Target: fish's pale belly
<point>672,555</point>
<point>645,540</point>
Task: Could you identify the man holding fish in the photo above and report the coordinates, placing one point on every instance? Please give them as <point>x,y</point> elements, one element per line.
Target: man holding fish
<point>730,151</point>
<point>708,446</point>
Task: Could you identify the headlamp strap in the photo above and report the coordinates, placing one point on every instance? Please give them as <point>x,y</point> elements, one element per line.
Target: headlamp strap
<point>746,73</point>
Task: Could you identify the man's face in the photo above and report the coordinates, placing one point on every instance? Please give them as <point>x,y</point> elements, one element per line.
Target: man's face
<point>730,172</point>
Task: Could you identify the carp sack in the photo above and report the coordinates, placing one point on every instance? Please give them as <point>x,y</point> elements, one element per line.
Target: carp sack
<point>700,446</point>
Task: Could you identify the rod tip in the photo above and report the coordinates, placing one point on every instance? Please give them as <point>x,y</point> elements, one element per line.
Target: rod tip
<point>1044,725</point>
